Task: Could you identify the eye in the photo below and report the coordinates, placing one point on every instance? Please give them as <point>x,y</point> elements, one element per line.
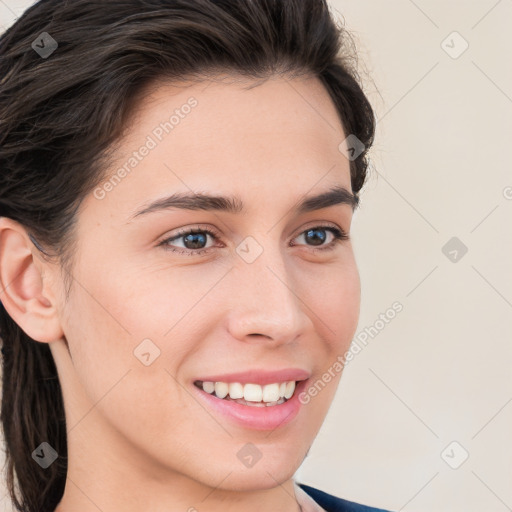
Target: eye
<point>317,236</point>
<point>194,240</point>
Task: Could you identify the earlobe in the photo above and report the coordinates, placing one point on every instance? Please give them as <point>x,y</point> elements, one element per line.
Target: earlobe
<point>22,289</point>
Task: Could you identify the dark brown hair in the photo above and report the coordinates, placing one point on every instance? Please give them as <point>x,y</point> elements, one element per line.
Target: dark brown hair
<point>60,114</point>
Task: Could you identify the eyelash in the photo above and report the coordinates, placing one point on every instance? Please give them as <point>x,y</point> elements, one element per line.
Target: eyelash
<point>339,236</point>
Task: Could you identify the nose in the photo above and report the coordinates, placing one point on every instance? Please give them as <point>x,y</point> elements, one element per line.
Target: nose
<point>267,306</point>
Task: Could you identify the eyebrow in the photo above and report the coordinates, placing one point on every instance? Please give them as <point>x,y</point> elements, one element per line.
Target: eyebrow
<point>233,204</point>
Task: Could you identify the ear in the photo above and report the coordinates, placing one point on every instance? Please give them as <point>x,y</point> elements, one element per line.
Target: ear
<point>29,301</point>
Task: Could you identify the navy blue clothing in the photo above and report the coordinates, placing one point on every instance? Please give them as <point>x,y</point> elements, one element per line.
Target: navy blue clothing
<point>333,504</point>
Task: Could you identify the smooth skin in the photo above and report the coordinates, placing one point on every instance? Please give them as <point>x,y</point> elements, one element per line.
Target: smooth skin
<point>137,437</point>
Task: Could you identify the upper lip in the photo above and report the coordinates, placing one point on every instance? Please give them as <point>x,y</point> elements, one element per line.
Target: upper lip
<point>261,377</point>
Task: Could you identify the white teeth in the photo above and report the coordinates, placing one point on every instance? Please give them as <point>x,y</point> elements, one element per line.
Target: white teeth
<point>253,393</point>
<point>271,393</point>
<point>267,395</point>
<point>236,390</point>
<point>209,387</point>
<point>290,388</point>
<point>221,389</point>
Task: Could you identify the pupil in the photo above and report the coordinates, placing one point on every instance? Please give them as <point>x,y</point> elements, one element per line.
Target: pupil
<point>317,240</point>
<point>193,238</point>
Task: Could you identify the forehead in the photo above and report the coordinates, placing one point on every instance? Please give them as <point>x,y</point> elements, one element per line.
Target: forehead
<point>230,134</point>
<point>228,105</point>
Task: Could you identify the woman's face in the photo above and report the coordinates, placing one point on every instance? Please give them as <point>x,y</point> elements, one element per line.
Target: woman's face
<point>152,310</point>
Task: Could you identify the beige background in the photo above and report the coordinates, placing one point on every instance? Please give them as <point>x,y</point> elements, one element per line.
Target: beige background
<point>439,372</point>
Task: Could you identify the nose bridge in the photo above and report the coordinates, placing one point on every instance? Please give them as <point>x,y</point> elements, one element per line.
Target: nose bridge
<point>267,303</point>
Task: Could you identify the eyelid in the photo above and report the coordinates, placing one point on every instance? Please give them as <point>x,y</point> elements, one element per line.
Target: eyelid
<point>319,224</point>
<point>179,232</point>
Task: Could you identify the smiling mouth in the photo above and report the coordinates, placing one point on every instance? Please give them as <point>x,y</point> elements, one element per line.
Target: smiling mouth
<point>250,394</point>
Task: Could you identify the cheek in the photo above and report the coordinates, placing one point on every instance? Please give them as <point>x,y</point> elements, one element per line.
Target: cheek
<point>102,316</point>
<point>117,315</point>
<point>333,297</point>
<point>111,372</point>
<point>345,296</point>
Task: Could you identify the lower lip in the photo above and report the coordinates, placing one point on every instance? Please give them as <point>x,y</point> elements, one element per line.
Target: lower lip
<point>256,418</point>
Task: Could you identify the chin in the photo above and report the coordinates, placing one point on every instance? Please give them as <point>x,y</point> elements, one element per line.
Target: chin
<point>257,478</point>
<point>276,465</point>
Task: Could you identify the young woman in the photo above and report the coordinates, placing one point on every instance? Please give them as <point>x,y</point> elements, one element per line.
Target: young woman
<point>178,285</point>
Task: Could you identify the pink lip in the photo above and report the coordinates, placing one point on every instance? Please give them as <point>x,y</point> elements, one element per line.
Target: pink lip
<point>260,377</point>
<point>256,418</point>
